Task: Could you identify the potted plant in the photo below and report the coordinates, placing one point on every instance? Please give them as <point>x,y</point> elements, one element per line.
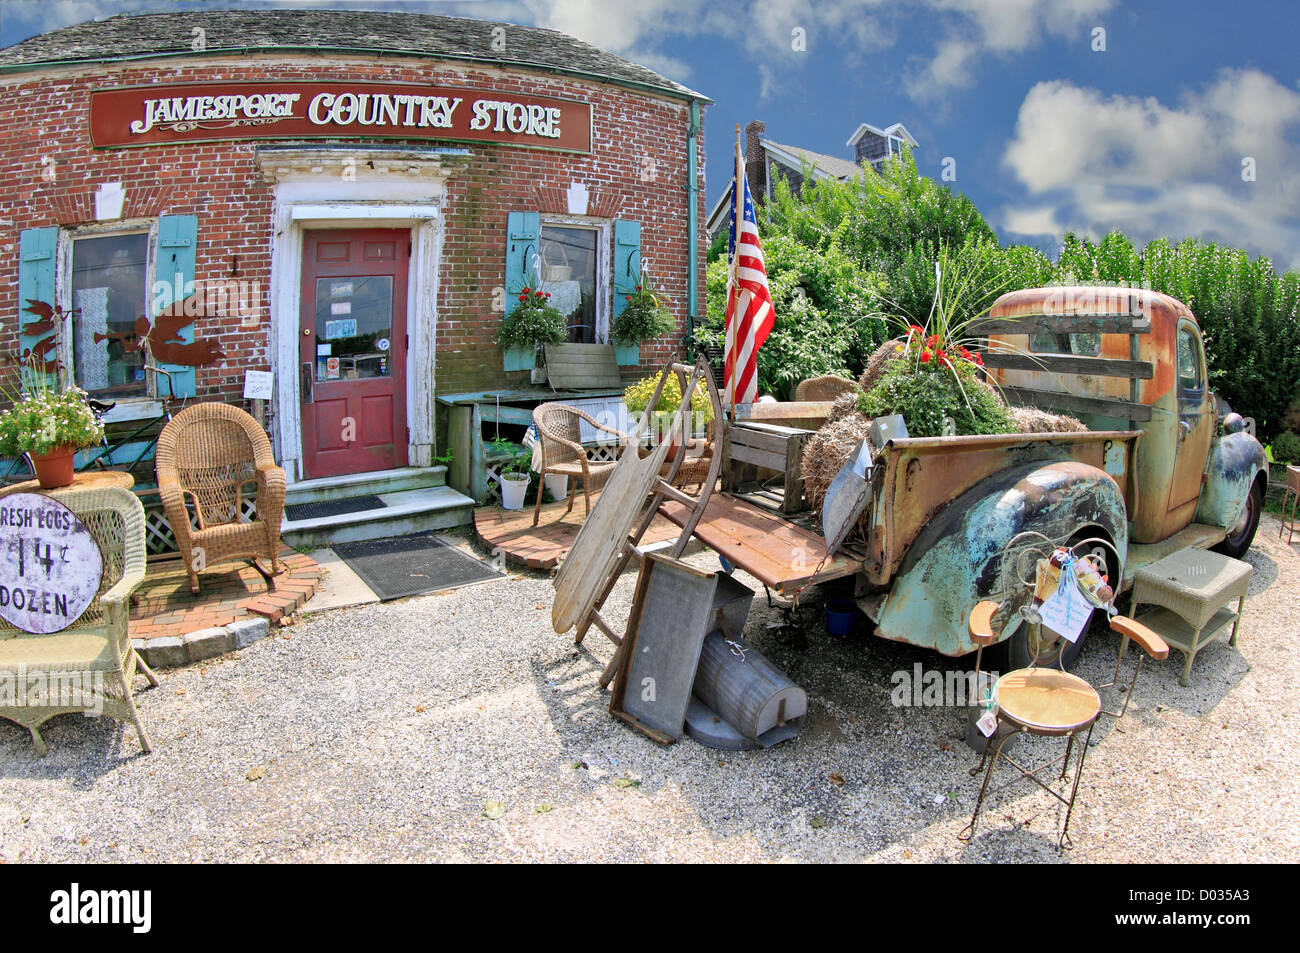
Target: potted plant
<point>637,398</point>
<point>515,476</point>
<point>644,317</point>
<point>49,426</point>
<point>532,322</point>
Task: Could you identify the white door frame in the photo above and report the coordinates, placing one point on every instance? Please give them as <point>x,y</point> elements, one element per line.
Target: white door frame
<point>309,195</point>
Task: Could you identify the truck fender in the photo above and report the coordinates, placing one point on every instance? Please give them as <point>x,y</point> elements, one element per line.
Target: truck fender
<point>955,561</point>
<point>1235,462</point>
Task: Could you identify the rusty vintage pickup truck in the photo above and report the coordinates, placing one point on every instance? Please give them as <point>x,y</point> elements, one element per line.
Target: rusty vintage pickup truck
<point>1159,470</point>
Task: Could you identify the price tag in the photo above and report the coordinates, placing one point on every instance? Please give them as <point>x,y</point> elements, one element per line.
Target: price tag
<point>1066,611</point>
<point>258,385</point>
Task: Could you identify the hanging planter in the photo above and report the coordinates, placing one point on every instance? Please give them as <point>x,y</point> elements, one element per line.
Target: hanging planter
<point>627,354</point>
<point>532,322</point>
<point>54,469</point>
<point>522,358</point>
<point>643,317</point>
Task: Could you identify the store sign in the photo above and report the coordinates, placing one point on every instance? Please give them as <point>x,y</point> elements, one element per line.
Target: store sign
<point>50,565</point>
<point>151,115</point>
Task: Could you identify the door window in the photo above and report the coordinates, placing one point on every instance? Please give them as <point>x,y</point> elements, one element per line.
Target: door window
<point>109,296</point>
<point>1189,360</point>
<point>568,275</point>
<point>354,327</point>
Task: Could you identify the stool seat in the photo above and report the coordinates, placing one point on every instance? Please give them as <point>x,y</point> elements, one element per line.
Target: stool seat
<point>1046,700</point>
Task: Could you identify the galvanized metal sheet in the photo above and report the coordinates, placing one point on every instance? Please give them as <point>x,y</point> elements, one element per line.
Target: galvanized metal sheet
<point>847,497</point>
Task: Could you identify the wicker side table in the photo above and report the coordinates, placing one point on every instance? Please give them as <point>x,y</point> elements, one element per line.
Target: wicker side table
<point>1189,589</point>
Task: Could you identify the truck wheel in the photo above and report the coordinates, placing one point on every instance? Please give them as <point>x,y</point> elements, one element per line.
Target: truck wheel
<point>1020,650</point>
<point>1242,535</point>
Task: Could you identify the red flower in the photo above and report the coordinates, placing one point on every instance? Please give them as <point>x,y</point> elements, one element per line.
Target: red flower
<point>965,353</point>
<point>523,297</point>
<point>914,329</point>
<point>979,359</point>
<point>934,340</point>
<point>638,287</point>
<point>548,294</point>
<point>526,289</point>
<point>627,297</point>
<point>925,357</point>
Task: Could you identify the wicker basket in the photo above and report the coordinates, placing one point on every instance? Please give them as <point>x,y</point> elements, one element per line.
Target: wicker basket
<point>554,269</point>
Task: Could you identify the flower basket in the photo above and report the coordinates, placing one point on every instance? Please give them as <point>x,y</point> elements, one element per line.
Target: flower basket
<point>627,354</point>
<point>521,358</point>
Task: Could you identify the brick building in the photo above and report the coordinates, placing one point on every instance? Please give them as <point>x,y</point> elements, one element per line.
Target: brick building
<point>348,200</point>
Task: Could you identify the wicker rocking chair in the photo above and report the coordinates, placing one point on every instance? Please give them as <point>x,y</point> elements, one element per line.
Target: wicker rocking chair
<point>562,450</point>
<point>96,650</point>
<point>209,455</point>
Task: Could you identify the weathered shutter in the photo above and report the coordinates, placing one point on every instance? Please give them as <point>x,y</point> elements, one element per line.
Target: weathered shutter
<point>627,262</point>
<point>36,258</point>
<point>523,239</point>
<point>173,276</point>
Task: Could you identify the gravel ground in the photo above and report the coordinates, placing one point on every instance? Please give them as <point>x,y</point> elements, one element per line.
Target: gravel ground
<point>385,732</point>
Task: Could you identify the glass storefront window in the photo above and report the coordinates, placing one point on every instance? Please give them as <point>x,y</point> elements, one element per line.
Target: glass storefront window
<point>109,295</point>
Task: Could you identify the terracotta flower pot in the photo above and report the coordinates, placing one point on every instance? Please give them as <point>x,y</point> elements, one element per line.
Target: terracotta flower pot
<point>54,469</point>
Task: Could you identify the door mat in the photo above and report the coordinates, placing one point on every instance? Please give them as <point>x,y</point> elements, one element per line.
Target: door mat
<point>410,565</point>
<point>314,511</point>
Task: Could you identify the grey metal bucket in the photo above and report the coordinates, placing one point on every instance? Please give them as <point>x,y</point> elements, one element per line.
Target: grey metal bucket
<point>748,692</point>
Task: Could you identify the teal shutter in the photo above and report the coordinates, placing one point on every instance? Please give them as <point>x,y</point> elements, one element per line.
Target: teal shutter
<point>174,272</point>
<point>523,240</point>
<point>627,261</point>
<point>36,258</point>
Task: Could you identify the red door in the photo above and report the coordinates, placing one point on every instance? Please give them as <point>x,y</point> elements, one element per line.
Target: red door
<point>353,350</point>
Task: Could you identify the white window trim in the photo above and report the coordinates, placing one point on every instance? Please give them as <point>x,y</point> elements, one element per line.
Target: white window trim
<point>604,229</point>
<point>128,408</point>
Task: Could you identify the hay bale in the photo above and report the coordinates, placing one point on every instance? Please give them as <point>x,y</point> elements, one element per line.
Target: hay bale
<point>827,451</point>
<point>1033,420</point>
<point>842,406</point>
<point>880,357</point>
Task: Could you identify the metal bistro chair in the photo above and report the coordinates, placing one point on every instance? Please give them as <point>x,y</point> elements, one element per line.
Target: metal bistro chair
<point>208,456</point>
<point>563,453</point>
<point>1293,494</point>
<point>1048,702</point>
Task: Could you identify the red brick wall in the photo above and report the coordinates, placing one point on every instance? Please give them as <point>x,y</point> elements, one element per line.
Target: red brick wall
<point>219,183</point>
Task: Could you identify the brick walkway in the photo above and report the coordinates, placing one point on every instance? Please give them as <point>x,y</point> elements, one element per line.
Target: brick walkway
<point>542,546</point>
<point>164,606</point>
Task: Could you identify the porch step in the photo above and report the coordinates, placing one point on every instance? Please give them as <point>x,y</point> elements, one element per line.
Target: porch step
<point>404,512</point>
<point>377,483</point>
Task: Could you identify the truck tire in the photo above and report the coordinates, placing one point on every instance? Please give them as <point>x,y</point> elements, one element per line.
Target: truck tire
<point>1239,538</point>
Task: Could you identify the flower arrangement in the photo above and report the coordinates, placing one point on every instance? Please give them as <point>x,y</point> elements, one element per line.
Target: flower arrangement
<point>932,380</point>
<point>42,419</point>
<point>531,322</point>
<point>645,317</point>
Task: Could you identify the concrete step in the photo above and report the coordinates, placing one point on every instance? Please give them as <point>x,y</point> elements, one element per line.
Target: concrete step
<point>364,484</point>
<point>405,512</point>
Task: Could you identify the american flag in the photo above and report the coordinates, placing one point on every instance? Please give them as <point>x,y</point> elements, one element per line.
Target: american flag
<point>749,303</point>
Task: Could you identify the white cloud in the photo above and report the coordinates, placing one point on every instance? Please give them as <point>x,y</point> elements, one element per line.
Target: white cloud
<point>997,27</point>
<point>1091,162</point>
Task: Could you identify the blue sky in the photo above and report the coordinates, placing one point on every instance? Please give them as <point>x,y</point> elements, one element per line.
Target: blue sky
<point>1186,124</point>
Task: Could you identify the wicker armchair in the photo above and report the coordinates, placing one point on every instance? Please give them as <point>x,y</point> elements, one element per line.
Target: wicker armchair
<point>562,450</point>
<point>210,454</point>
<point>823,388</point>
<point>93,657</point>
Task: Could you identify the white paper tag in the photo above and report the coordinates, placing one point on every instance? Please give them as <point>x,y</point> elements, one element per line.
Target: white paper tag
<point>987,724</point>
<point>1066,612</point>
<point>258,385</point>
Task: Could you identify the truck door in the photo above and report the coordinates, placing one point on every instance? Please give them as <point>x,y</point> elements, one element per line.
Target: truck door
<point>1196,419</point>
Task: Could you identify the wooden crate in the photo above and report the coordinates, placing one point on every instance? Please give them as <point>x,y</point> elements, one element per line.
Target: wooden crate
<point>753,450</point>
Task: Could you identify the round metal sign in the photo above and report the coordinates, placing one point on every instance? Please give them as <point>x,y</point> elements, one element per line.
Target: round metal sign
<point>50,564</point>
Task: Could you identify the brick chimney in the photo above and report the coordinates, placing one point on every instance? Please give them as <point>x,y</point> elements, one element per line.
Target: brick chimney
<point>755,158</point>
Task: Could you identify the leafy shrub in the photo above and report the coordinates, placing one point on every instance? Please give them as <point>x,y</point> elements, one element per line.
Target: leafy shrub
<point>924,392</point>
<point>1286,448</point>
<point>636,397</point>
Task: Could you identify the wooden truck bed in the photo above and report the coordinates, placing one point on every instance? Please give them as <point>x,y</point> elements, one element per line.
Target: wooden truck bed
<point>783,556</point>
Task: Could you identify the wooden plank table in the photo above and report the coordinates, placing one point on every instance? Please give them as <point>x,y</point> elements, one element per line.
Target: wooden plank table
<point>782,556</point>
